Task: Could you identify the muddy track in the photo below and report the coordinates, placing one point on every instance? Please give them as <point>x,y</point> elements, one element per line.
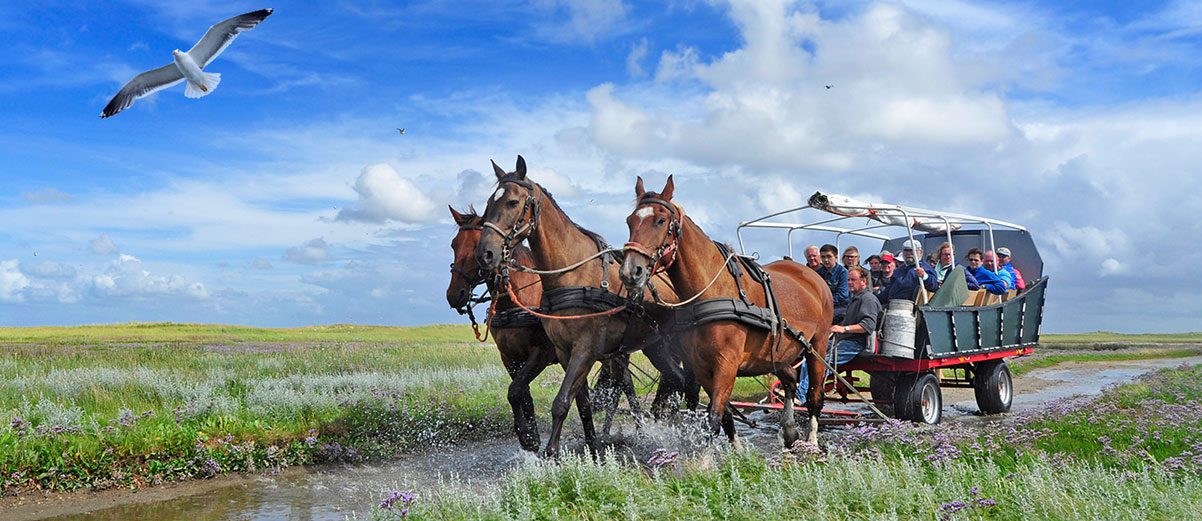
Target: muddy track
<point>333,492</point>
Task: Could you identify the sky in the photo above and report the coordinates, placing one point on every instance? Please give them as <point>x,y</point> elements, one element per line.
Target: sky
<point>287,197</point>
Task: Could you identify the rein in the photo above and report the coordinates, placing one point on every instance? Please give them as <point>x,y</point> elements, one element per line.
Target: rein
<point>514,298</point>
<point>521,227</point>
<point>667,249</point>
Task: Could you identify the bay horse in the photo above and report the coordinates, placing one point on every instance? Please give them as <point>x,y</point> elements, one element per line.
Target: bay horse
<point>591,328</point>
<point>663,238</point>
<point>523,345</point>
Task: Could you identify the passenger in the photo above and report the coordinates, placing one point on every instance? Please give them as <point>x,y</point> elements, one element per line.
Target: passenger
<point>851,335</point>
<point>945,266</point>
<point>989,280</point>
<point>851,257</point>
<point>835,276</point>
<point>1003,256</point>
<point>812,257</point>
<point>908,276</point>
<point>989,261</point>
<point>874,271</point>
<point>882,283</point>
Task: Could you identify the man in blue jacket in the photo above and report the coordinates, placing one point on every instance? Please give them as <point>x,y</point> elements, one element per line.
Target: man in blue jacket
<point>989,262</point>
<point>988,280</point>
<point>835,276</point>
<point>909,275</point>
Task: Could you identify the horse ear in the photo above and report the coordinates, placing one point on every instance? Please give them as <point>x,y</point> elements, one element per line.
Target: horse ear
<point>459,217</point>
<point>521,168</point>
<point>638,188</point>
<point>496,169</point>
<point>668,189</point>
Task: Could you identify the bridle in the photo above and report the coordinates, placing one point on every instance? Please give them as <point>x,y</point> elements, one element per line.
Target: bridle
<point>522,227</point>
<point>668,246</point>
<point>473,279</point>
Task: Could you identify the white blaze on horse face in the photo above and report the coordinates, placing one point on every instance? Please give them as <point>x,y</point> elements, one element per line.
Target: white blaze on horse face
<point>496,196</point>
<point>644,212</point>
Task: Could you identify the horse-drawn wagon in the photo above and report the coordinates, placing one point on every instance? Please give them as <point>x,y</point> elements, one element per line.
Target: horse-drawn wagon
<point>960,339</point>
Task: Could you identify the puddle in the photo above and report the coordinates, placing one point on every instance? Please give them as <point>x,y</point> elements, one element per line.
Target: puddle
<point>335,493</point>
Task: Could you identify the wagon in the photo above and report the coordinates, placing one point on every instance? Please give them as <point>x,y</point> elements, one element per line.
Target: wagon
<point>958,343</point>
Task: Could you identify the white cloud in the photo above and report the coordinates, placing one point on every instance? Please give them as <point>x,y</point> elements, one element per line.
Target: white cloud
<point>634,60</point>
<point>261,264</point>
<point>311,252</point>
<point>586,20</point>
<point>46,196</point>
<point>385,195</point>
<point>12,281</point>
<point>127,277</point>
<point>103,245</point>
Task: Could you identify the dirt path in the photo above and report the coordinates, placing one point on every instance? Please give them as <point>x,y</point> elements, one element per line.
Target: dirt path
<point>334,492</point>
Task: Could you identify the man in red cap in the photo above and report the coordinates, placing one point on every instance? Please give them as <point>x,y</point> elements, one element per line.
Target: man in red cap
<point>881,283</point>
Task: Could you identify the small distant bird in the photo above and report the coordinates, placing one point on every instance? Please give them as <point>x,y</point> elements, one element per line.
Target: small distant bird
<point>187,65</point>
<point>828,87</point>
<point>401,130</point>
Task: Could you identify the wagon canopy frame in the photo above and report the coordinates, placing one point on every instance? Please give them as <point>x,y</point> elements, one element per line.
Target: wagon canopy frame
<point>879,215</point>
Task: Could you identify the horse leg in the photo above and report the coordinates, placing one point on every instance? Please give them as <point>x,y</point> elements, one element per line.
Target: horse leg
<point>672,379</point>
<point>788,421</point>
<point>604,395</point>
<point>815,362</point>
<point>575,378</point>
<point>627,386</point>
<point>723,385</point>
<point>586,419</point>
<point>525,424</point>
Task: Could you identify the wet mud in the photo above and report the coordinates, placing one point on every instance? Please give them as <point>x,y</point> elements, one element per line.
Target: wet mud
<point>337,492</point>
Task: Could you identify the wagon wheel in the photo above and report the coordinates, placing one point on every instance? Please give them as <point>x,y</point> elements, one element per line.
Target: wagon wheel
<point>993,386</point>
<point>917,398</point>
<point>882,385</point>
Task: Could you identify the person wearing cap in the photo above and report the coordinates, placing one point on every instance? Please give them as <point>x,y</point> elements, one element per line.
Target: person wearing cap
<point>851,257</point>
<point>1003,257</point>
<point>989,280</point>
<point>812,257</point>
<point>851,333</point>
<point>835,276</point>
<point>989,261</point>
<point>944,265</point>
<point>881,282</point>
<point>912,272</point>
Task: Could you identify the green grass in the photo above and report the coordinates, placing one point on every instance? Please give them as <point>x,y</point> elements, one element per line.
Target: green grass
<point>1118,339</point>
<point>133,404</point>
<point>1022,366</point>
<point>1130,454</point>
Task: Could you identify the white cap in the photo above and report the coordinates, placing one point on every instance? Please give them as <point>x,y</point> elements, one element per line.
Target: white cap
<point>911,245</point>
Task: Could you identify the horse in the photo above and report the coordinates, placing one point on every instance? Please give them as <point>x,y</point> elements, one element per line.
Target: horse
<point>663,238</point>
<point>582,321</point>
<point>524,347</point>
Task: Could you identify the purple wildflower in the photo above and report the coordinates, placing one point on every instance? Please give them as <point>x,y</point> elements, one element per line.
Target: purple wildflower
<point>398,498</point>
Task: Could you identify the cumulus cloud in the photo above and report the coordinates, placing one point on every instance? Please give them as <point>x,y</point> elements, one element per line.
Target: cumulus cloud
<point>103,245</point>
<point>12,281</point>
<point>634,60</point>
<point>384,195</point>
<point>127,277</point>
<point>311,252</point>
<point>581,20</point>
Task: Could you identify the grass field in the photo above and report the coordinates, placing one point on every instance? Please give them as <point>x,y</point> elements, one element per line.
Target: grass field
<point>1134,453</point>
<point>137,404</point>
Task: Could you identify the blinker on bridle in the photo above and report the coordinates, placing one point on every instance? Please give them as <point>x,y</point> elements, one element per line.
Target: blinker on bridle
<point>667,248</point>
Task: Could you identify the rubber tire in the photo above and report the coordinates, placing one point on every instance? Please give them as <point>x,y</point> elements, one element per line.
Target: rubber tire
<point>912,408</point>
<point>902,390</point>
<point>881,385</point>
<point>993,386</point>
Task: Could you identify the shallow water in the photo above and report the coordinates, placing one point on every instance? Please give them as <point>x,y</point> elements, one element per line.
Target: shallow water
<point>337,492</point>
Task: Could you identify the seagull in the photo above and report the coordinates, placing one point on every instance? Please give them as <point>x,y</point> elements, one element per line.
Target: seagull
<point>828,87</point>
<point>401,130</point>
<point>187,65</point>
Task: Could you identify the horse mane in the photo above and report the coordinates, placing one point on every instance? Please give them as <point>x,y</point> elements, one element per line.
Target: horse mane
<point>472,214</point>
<point>656,195</point>
<point>596,237</point>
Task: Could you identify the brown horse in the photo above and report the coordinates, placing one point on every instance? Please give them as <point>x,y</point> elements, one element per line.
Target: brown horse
<point>520,210</point>
<point>662,237</point>
<point>524,347</point>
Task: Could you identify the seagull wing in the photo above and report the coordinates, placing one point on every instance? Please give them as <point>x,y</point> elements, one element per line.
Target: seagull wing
<point>222,34</point>
<point>142,85</point>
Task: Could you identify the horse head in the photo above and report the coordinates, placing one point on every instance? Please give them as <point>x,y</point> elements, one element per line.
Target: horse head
<point>465,270</point>
<point>512,215</point>
<point>655,228</point>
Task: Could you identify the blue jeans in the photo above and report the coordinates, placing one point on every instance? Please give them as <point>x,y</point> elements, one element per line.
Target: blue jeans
<point>848,349</point>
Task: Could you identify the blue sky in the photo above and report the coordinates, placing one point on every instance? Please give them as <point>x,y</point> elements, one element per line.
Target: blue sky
<point>287,198</point>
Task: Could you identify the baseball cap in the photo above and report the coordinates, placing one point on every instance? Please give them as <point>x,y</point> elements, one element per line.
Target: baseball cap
<point>911,245</point>
<point>886,257</point>
<point>1003,251</point>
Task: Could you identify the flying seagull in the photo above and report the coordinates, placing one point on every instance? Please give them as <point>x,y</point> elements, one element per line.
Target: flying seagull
<point>187,65</point>
<point>401,130</point>
<point>828,87</point>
